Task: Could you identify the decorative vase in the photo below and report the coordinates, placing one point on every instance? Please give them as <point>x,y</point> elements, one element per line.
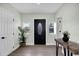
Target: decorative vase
<point>65,38</point>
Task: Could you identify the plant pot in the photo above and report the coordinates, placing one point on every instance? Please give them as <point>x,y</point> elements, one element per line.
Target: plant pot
<point>23,44</point>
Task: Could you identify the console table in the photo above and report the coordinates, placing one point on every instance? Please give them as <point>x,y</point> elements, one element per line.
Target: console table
<point>70,46</point>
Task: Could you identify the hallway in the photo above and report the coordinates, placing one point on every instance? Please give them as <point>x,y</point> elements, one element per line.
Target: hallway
<point>58,18</point>
<point>37,50</point>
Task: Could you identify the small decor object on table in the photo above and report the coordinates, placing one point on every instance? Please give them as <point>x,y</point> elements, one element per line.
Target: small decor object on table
<point>65,36</point>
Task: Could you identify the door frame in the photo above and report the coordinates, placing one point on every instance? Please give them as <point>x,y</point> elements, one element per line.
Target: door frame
<point>34,30</point>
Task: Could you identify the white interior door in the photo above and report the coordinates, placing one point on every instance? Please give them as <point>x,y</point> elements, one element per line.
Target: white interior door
<point>10,28</point>
<point>6,32</point>
<point>3,32</point>
<point>0,32</point>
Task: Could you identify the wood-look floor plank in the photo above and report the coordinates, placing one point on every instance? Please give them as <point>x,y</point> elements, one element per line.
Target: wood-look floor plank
<point>37,50</point>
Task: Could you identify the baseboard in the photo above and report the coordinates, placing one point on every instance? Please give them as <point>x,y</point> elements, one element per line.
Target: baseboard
<point>29,43</point>
<point>14,50</point>
<point>50,44</point>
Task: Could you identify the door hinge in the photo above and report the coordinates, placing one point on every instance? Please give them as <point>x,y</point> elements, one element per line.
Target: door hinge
<point>13,46</point>
<point>13,33</point>
<point>13,19</point>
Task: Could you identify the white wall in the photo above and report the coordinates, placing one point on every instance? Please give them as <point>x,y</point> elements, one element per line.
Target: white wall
<point>7,27</point>
<point>29,18</point>
<point>70,20</point>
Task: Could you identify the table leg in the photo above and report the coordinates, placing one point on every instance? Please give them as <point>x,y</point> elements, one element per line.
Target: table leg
<point>71,54</point>
<point>64,51</point>
<point>68,50</point>
<point>57,46</point>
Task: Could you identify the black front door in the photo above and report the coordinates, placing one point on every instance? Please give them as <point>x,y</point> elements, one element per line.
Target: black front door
<point>40,31</point>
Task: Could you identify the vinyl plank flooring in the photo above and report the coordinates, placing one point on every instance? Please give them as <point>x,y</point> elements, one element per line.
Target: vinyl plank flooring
<point>37,50</point>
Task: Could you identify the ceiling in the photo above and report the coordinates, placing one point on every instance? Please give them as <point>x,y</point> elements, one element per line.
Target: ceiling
<point>37,7</point>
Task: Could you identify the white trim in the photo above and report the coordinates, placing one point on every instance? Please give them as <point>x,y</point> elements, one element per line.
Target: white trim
<point>29,43</point>
<point>50,44</point>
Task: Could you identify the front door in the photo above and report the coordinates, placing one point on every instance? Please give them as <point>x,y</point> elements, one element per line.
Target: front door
<point>40,31</point>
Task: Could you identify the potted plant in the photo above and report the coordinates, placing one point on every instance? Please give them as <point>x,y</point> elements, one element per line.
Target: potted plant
<point>66,36</point>
<point>22,36</point>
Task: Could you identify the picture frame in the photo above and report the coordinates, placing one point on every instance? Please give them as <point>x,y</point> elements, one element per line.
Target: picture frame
<point>51,28</point>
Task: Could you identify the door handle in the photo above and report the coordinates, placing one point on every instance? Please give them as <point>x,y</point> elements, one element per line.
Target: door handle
<point>3,37</point>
